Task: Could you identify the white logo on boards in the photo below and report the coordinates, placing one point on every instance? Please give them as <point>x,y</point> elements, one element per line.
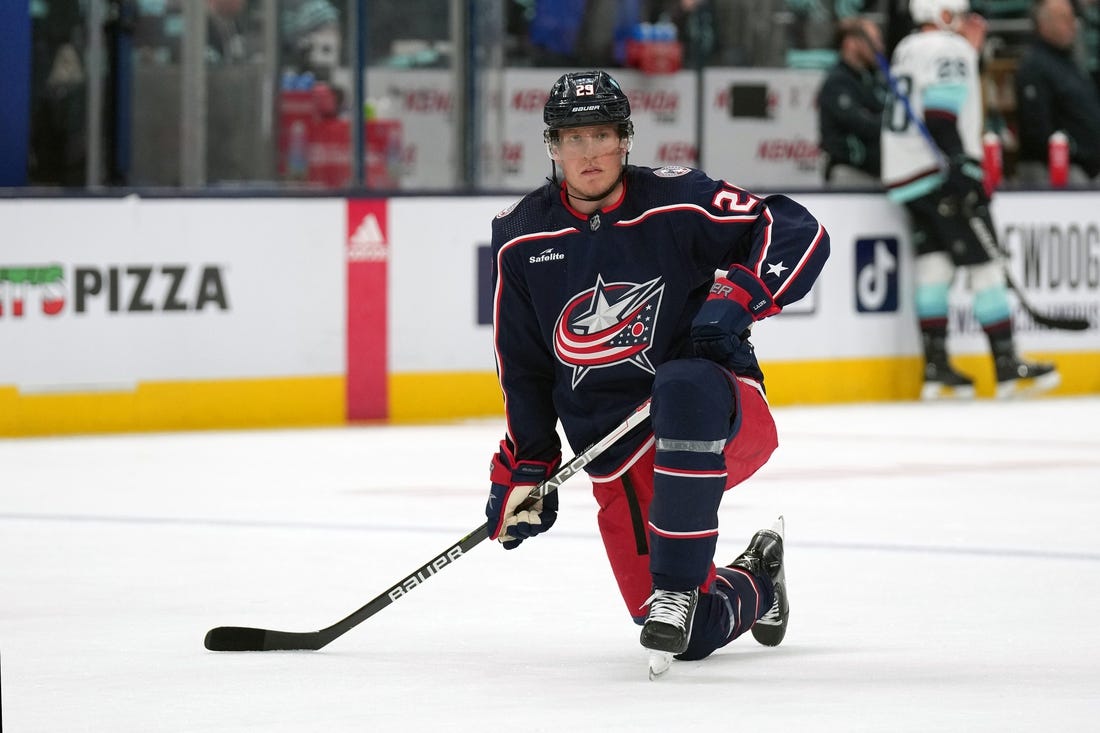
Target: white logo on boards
<point>876,281</point>
<point>368,244</point>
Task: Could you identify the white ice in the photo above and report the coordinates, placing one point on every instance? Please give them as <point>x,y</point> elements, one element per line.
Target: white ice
<point>942,561</point>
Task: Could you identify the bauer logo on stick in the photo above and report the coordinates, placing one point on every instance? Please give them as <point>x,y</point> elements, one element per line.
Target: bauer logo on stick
<point>424,573</point>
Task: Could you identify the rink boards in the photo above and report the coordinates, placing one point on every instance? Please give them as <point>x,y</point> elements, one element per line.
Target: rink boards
<point>162,314</point>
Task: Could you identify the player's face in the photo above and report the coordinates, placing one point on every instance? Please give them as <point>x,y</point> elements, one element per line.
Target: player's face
<point>591,158</point>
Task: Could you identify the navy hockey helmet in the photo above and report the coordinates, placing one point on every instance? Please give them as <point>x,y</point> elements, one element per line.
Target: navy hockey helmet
<point>582,98</point>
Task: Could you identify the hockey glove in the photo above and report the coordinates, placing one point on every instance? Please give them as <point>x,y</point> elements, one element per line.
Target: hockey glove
<point>965,181</point>
<point>734,303</point>
<point>511,520</point>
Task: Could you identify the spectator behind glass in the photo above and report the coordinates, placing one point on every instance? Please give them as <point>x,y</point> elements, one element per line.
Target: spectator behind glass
<point>58,139</point>
<point>159,27</point>
<point>850,105</point>
<point>553,31</point>
<point>582,32</point>
<point>724,32</point>
<point>811,25</point>
<point>225,41</point>
<point>311,37</point>
<point>58,134</point>
<point>1054,93</point>
<point>409,33</point>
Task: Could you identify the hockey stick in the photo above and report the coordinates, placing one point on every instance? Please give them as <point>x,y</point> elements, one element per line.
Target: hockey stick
<point>989,242</point>
<point>247,639</point>
<point>892,82</point>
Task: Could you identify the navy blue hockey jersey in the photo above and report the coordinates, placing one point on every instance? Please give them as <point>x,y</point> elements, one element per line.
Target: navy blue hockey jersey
<point>586,307</point>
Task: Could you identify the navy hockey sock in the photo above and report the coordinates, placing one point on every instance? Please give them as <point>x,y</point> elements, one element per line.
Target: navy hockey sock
<point>693,402</point>
<point>750,597</point>
<point>728,611</point>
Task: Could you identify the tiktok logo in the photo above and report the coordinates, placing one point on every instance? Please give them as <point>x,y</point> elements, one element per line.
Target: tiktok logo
<point>877,275</point>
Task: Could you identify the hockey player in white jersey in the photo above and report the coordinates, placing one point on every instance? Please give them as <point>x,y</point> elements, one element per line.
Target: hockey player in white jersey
<point>931,147</point>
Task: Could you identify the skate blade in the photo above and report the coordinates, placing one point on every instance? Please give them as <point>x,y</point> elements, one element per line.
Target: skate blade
<point>1028,387</point>
<point>779,526</point>
<point>659,662</point>
<point>934,392</point>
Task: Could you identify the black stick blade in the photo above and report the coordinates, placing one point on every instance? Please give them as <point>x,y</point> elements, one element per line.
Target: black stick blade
<point>245,639</point>
<point>235,639</point>
<point>1061,323</point>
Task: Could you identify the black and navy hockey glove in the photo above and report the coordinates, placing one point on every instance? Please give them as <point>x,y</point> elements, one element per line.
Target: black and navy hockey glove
<point>735,303</point>
<point>510,520</point>
<point>965,181</point>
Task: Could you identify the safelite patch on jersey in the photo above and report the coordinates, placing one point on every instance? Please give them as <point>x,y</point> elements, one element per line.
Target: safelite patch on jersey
<point>671,171</point>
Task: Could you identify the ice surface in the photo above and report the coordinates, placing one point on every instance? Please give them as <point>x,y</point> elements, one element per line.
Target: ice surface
<point>942,564</point>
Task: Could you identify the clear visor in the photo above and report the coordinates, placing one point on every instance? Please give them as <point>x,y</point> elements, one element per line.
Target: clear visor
<point>585,142</point>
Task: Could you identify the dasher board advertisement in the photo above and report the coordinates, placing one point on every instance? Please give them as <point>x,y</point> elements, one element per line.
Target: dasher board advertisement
<point>104,294</point>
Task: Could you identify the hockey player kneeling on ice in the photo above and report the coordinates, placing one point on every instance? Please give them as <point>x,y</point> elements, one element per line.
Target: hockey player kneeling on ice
<point>618,284</point>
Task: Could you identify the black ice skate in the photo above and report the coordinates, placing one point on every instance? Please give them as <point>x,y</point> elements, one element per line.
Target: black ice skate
<point>667,629</point>
<point>668,626</point>
<point>764,556</point>
<point>1018,378</point>
<point>941,382</point>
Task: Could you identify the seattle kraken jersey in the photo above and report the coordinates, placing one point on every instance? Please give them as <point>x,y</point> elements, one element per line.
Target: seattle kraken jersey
<point>586,307</point>
<point>938,72</point>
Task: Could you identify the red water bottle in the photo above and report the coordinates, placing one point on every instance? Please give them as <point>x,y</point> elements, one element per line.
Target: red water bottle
<point>1058,159</point>
<point>992,161</point>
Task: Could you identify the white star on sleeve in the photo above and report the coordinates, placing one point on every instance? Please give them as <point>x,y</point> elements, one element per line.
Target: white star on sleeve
<point>777,269</point>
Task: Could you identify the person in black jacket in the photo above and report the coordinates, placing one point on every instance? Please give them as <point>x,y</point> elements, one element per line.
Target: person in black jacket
<point>850,105</point>
<point>1053,93</point>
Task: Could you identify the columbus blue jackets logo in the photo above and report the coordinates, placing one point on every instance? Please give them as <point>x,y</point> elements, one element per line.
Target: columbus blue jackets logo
<point>606,325</point>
